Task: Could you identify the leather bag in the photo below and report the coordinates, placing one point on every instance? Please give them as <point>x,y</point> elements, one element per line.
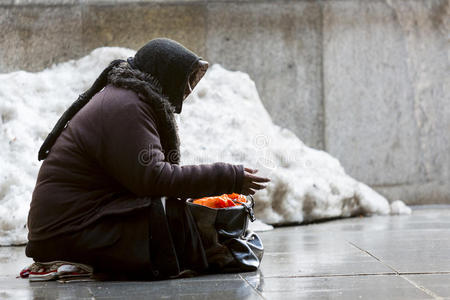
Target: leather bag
<point>229,245</point>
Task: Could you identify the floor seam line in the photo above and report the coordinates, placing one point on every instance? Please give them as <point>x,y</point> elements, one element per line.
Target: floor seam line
<point>399,274</point>
<point>425,273</point>
<point>333,275</point>
<point>373,256</point>
<point>422,288</point>
<point>257,292</point>
<point>358,274</point>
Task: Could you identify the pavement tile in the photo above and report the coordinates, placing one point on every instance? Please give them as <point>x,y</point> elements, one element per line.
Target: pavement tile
<point>12,260</point>
<point>415,251</point>
<point>346,287</point>
<point>318,249</point>
<point>180,289</point>
<point>439,284</point>
<point>318,261</point>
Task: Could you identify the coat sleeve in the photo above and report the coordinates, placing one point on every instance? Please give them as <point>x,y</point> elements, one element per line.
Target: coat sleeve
<point>131,152</point>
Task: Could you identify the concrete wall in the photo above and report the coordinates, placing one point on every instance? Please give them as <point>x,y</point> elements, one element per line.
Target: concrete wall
<point>366,80</point>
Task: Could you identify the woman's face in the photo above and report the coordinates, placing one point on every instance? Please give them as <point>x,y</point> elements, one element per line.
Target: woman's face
<point>195,77</point>
<point>188,89</point>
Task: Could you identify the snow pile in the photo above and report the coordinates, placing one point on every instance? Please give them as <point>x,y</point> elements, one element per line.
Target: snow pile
<point>399,208</point>
<point>30,105</point>
<point>223,120</point>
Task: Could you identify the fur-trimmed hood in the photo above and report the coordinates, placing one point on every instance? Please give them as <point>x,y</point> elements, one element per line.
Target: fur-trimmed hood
<point>149,90</point>
<point>162,72</point>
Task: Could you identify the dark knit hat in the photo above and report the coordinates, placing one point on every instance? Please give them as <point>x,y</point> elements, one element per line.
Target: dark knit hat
<point>171,64</point>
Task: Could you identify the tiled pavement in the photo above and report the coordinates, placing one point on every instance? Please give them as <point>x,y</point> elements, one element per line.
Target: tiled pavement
<point>401,257</point>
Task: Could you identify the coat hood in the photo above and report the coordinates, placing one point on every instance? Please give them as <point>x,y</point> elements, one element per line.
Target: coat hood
<point>175,67</point>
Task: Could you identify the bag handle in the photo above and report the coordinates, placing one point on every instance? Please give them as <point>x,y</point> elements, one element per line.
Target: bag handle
<point>248,207</point>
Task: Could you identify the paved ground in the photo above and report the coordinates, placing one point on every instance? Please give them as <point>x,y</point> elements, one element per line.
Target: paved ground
<point>403,257</point>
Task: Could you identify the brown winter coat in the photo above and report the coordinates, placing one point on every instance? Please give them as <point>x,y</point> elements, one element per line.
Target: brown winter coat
<point>109,161</point>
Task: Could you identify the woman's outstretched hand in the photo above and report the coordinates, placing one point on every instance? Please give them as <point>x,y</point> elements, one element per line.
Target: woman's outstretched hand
<point>252,183</point>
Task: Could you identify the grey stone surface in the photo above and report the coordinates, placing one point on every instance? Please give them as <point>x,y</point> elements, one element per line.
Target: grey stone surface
<point>38,36</point>
<point>33,36</point>
<point>6,2</point>
<point>133,25</point>
<point>437,283</point>
<point>367,81</point>
<point>180,289</point>
<point>46,2</point>
<point>386,257</point>
<point>368,90</point>
<point>437,192</point>
<point>386,105</point>
<point>426,26</point>
<point>345,287</point>
<point>405,233</point>
<point>141,1</point>
<point>279,45</point>
<point>12,260</point>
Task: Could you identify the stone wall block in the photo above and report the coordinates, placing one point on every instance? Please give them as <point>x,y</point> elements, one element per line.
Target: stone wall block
<point>369,92</point>
<point>133,25</point>
<point>279,45</point>
<point>37,36</point>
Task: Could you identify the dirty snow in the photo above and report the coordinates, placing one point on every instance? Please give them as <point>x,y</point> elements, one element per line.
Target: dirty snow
<point>223,120</point>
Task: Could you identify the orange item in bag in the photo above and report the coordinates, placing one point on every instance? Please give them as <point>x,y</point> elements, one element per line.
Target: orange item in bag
<point>225,200</point>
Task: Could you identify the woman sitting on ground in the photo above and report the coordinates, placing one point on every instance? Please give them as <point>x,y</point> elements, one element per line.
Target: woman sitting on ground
<point>109,161</point>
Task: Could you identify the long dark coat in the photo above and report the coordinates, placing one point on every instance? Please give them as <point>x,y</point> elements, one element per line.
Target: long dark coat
<point>97,196</point>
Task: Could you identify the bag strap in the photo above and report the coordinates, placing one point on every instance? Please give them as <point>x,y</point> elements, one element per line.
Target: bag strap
<point>248,207</point>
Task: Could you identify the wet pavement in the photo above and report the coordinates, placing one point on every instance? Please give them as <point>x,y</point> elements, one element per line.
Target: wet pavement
<point>397,257</point>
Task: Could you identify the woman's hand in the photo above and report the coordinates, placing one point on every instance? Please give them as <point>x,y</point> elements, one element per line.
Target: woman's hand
<point>252,183</point>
